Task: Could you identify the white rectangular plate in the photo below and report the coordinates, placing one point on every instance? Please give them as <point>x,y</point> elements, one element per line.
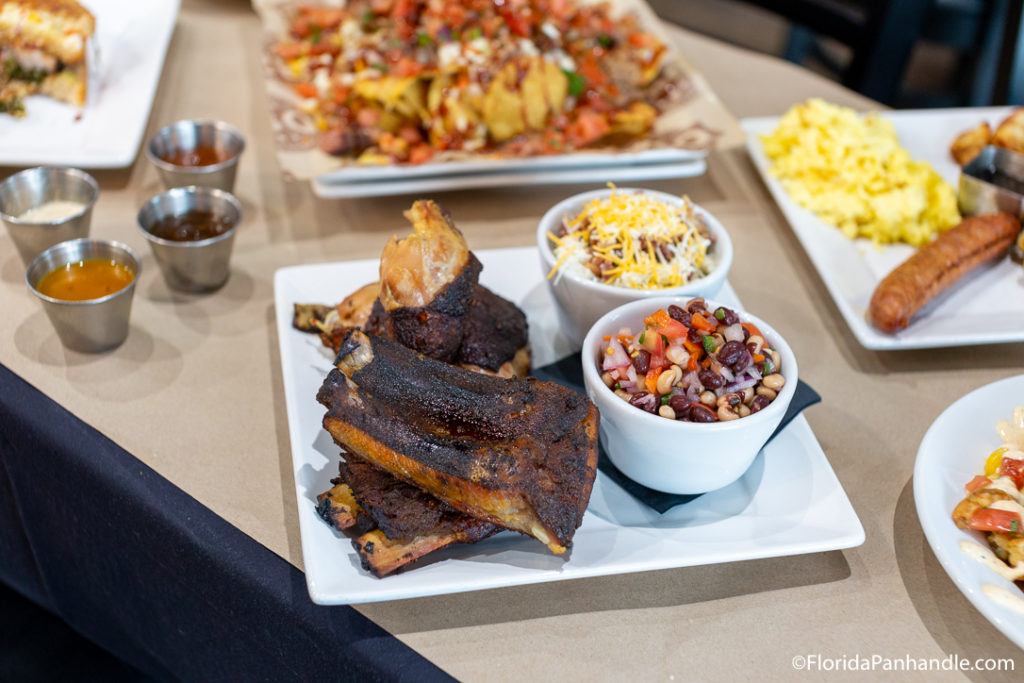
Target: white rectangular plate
<point>789,502</point>
<point>129,47</point>
<point>534,174</point>
<point>984,308</point>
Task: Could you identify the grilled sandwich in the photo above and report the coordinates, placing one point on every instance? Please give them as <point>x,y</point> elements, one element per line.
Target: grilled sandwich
<point>43,51</point>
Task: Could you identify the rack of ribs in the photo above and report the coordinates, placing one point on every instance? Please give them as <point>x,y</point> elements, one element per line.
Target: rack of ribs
<point>393,523</point>
<point>518,453</point>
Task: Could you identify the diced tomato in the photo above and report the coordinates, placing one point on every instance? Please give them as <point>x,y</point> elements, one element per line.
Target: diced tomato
<point>1014,469</point>
<point>420,153</point>
<point>306,90</point>
<point>588,127</point>
<point>989,519</point>
<point>290,50</point>
<point>977,483</point>
<point>592,71</point>
<point>407,66</point>
<point>641,39</point>
<point>700,322</point>
<point>752,329</point>
<point>666,325</point>
<point>517,20</point>
<point>405,17</point>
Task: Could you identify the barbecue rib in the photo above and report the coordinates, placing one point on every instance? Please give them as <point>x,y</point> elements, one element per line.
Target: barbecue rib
<point>519,453</point>
<point>407,523</point>
<point>427,283</point>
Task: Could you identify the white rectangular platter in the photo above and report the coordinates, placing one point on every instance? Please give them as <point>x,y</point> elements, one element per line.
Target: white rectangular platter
<point>987,307</point>
<point>789,502</point>
<point>130,43</point>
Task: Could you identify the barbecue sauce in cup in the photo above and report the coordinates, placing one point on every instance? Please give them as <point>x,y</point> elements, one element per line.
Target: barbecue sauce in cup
<point>204,155</point>
<point>191,226</point>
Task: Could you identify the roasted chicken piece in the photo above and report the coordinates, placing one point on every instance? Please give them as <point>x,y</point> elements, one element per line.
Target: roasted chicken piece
<point>518,453</point>
<point>969,144</point>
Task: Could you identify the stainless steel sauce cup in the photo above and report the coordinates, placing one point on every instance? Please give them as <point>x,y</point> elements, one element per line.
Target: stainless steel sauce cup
<point>94,324</point>
<point>189,135</point>
<point>198,265</point>
<point>33,188</point>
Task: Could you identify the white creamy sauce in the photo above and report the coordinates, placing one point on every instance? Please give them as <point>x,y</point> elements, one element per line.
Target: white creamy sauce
<point>1001,596</point>
<point>989,559</point>
<point>52,211</point>
<point>1006,485</point>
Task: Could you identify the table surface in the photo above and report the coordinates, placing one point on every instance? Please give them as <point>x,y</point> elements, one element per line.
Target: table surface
<point>196,393</point>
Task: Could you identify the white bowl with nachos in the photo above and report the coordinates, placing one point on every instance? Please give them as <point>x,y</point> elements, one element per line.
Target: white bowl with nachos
<point>605,248</point>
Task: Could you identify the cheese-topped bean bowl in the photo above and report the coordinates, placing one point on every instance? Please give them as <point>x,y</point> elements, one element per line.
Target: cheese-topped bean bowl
<point>605,248</point>
<point>691,412</point>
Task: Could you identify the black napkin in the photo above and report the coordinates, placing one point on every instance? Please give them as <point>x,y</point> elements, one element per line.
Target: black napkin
<point>569,373</point>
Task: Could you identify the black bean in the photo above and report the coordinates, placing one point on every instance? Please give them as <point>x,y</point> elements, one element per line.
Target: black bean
<point>759,402</point>
<point>680,404</point>
<point>710,379</point>
<point>695,306</point>
<point>639,401</point>
<point>729,316</point>
<point>730,352</point>
<point>679,314</point>
<point>701,413</point>
<point>642,361</point>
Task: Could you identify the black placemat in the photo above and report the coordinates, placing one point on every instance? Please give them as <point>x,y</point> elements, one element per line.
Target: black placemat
<point>569,372</point>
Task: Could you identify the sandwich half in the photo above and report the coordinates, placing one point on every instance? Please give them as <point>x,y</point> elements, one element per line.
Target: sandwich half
<point>43,51</point>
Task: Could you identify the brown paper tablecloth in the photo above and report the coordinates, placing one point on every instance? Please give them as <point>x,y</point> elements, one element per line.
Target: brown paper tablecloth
<point>196,393</point>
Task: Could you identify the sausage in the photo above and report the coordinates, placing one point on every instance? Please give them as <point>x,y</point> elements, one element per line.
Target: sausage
<point>936,266</point>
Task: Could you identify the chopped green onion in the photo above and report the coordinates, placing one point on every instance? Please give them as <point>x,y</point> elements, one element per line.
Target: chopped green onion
<point>719,313</point>
<point>605,40</point>
<point>474,33</point>
<point>1015,525</point>
<point>665,399</point>
<point>422,39</point>
<point>664,340</point>
<point>643,335</point>
<point>316,34</point>
<point>618,385</point>
<point>766,367</point>
<point>709,344</point>
<point>576,82</point>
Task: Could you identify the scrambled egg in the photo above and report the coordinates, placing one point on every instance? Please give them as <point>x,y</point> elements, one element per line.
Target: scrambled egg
<point>852,172</point>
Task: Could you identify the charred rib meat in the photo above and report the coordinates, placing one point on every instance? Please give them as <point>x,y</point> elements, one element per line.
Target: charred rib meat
<point>518,453</point>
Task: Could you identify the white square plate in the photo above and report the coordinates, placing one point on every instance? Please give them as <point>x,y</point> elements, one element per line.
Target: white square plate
<point>789,502</point>
<point>952,452</point>
<point>129,47</point>
<point>986,307</point>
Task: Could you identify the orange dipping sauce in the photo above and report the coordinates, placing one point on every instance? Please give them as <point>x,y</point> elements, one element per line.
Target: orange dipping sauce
<point>84,280</point>
<point>204,155</point>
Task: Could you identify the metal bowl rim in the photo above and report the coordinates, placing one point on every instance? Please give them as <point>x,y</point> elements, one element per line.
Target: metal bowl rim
<point>196,170</point>
<point>88,302</point>
<point>77,172</point>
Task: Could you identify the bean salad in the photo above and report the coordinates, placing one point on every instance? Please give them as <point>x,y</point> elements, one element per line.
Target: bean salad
<point>693,364</point>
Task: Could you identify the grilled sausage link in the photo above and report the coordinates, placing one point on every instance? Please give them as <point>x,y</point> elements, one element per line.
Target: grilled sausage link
<point>936,266</point>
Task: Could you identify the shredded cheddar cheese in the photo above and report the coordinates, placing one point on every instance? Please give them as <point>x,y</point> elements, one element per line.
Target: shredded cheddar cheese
<point>634,240</point>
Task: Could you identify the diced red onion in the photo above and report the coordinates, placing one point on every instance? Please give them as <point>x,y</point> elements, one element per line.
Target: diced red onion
<point>733,332</point>
<point>742,384</point>
<point>617,358</point>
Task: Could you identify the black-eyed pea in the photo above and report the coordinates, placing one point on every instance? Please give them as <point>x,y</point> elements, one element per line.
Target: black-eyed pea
<point>729,400</point>
<point>743,410</point>
<point>774,381</point>
<point>769,394</point>
<point>709,398</point>
<point>623,395</point>
<point>776,359</point>
<point>607,378</point>
<point>726,413</point>
<point>668,378</point>
<point>666,411</point>
<point>748,395</point>
<point>755,343</point>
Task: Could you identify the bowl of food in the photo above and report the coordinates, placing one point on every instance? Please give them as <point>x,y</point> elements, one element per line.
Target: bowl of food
<point>196,152</point>
<point>191,231</point>
<point>605,248</point>
<point>44,206</point>
<point>689,390</point>
<point>86,288</point>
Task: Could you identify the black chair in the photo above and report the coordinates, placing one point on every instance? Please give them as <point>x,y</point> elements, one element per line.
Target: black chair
<point>882,34</point>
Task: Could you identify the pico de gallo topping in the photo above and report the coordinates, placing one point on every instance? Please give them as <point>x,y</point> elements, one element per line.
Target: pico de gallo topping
<point>995,499</point>
<point>693,364</point>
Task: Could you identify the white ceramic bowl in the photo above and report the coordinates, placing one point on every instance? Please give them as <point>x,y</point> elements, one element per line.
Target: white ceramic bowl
<point>669,455</point>
<point>580,302</point>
